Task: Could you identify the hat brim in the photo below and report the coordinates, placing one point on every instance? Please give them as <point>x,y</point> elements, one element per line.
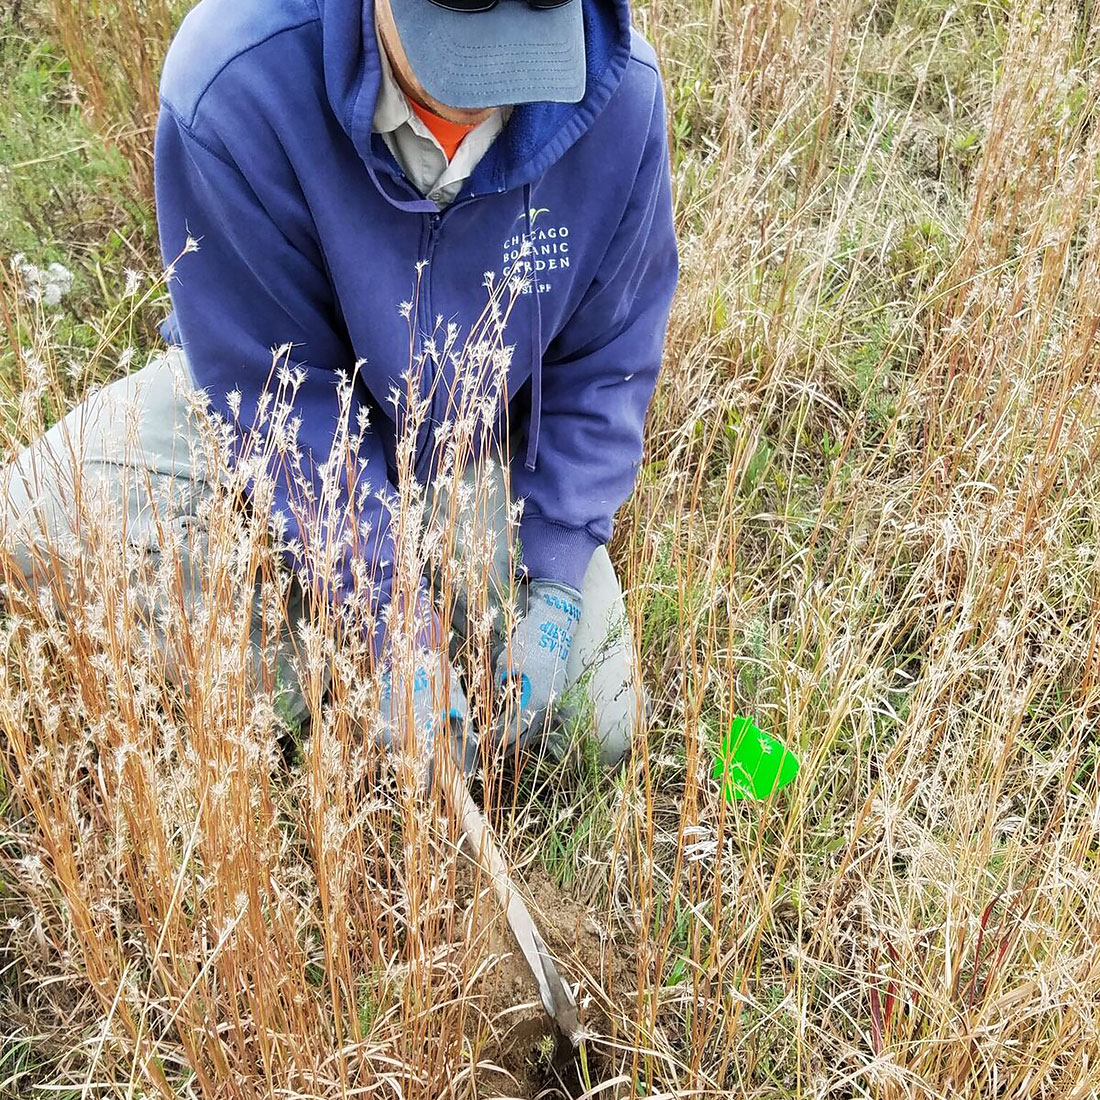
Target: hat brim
<point>509,55</point>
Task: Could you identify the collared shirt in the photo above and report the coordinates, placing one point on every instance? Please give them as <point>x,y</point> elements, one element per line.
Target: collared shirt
<point>416,149</point>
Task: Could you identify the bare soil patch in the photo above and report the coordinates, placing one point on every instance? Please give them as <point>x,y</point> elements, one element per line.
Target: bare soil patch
<point>600,970</point>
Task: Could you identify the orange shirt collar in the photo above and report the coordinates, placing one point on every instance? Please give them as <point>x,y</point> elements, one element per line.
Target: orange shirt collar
<point>449,134</point>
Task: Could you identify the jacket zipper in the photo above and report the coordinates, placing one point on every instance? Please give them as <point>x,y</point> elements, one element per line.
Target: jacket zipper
<point>428,379</point>
<point>426,321</point>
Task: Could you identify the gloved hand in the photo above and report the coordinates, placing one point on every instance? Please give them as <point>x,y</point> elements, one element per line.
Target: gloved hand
<point>531,667</point>
<point>435,715</point>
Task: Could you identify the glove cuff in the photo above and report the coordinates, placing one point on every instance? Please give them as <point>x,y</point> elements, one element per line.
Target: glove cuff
<point>540,586</point>
<point>559,600</point>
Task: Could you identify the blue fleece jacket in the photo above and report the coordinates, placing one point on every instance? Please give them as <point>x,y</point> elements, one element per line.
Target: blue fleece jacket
<point>310,236</point>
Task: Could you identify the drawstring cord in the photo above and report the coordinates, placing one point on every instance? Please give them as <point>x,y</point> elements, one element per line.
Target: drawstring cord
<point>536,342</point>
<point>409,206</point>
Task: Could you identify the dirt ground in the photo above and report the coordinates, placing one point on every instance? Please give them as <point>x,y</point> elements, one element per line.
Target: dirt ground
<point>525,1042</point>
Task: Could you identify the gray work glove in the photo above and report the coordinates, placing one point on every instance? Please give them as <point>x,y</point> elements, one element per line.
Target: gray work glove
<point>531,667</point>
<point>435,715</point>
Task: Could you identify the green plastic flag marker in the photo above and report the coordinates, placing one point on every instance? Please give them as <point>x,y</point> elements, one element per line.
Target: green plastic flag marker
<point>752,763</point>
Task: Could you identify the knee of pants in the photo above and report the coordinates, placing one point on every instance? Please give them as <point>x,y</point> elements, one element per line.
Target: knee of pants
<point>602,660</point>
<point>34,531</point>
<point>618,720</point>
<point>107,462</point>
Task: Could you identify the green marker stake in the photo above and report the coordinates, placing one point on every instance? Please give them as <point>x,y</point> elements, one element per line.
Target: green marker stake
<point>752,763</point>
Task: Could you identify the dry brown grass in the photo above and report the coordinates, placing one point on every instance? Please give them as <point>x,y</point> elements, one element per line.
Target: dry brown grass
<point>868,516</point>
<point>115,48</point>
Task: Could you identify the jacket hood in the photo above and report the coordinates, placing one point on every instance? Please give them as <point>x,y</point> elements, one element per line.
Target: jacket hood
<point>537,134</point>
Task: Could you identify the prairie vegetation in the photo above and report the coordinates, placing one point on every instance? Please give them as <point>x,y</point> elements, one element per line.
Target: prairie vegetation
<point>868,516</point>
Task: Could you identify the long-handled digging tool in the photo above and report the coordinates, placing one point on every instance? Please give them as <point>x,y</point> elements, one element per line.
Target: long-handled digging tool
<point>557,1000</point>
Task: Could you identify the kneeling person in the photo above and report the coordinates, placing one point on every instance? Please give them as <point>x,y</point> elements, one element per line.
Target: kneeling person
<point>333,160</point>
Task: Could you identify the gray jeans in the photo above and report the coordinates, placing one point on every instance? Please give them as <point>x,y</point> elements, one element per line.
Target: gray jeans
<point>135,447</point>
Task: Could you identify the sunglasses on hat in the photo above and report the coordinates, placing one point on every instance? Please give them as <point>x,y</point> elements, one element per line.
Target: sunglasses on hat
<point>475,6</point>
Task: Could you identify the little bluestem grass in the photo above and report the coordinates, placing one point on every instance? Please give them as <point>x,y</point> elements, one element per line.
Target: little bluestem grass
<point>866,516</point>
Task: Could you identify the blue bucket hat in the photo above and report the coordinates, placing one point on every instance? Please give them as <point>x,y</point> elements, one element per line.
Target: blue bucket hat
<point>493,53</point>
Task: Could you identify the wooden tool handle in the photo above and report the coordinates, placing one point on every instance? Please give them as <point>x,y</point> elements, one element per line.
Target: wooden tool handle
<point>556,998</point>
